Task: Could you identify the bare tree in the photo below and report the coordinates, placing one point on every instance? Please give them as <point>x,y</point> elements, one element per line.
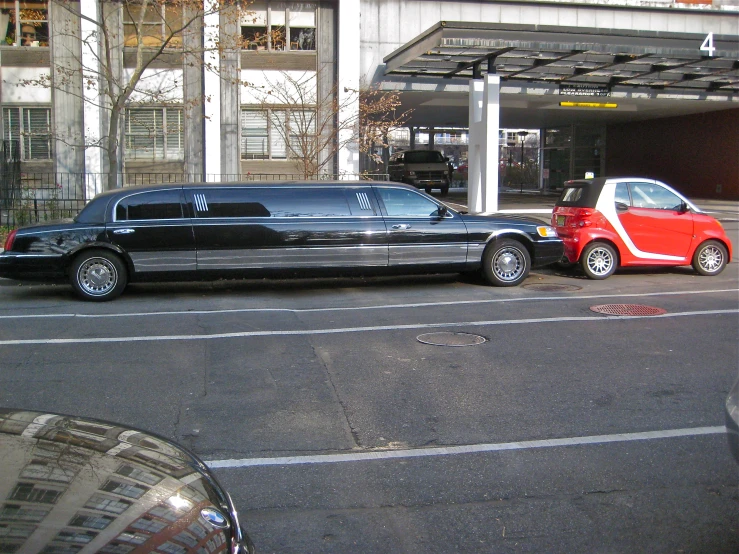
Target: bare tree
<point>307,124</point>
<point>379,113</point>
<point>152,34</point>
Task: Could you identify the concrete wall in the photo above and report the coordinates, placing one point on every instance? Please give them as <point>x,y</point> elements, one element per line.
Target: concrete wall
<point>641,149</point>
<point>388,24</point>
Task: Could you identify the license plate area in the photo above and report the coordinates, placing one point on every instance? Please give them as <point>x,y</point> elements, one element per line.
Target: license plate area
<point>561,220</point>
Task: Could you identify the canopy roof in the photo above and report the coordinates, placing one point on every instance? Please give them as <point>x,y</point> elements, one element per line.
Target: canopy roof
<point>571,56</point>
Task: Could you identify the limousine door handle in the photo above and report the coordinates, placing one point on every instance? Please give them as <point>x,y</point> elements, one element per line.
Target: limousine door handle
<point>401,226</point>
<point>124,231</point>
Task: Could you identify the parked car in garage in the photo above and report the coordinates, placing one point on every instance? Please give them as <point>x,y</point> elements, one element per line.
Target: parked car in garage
<point>73,484</point>
<point>424,169</point>
<point>206,231</point>
<point>608,222</point>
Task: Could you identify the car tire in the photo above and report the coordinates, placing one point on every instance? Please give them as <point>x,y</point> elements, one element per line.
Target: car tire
<point>98,275</point>
<point>427,189</point>
<point>506,263</point>
<point>445,190</point>
<point>599,260</point>
<point>710,258</point>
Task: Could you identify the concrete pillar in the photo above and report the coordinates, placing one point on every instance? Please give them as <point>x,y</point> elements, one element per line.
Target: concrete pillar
<point>482,185</point>
<point>192,89</point>
<point>348,90</point>
<point>93,100</point>
<point>326,81</point>
<point>212,93</point>
<point>230,99</point>
<point>67,103</point>
<point>413,138</point>
<point>432,142</point>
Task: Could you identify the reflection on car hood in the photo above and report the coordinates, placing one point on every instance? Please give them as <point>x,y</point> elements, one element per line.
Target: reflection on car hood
<point>76,485</point>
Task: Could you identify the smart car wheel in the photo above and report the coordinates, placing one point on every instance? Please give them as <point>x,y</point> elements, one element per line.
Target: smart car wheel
<point>710,258</point>
<point>506,263</point>
<point>98,275</point>
<point>599,260</point>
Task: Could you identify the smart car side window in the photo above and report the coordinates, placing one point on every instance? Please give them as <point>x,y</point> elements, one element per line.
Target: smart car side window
<point>649,195</point>
<point>400,202</point>
<point>621,195</point>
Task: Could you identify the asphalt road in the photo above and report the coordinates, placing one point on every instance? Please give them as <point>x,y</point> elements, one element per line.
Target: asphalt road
<point>336,430</point>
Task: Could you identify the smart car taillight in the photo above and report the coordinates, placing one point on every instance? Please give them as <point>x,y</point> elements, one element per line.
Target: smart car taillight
<point>581,218</point>
<point>9,241</point>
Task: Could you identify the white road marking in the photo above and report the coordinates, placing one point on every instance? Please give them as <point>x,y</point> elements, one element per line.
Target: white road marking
<point>378,455</point>
<point>374,307</point>
<point>340,330</point>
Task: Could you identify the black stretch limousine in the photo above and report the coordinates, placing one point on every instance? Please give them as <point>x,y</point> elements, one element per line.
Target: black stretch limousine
<point>213,230</point>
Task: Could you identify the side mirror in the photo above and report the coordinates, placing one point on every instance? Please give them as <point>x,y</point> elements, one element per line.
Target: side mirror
<point>442,211</point>
<point>621,207</point>
<point>683,208</point>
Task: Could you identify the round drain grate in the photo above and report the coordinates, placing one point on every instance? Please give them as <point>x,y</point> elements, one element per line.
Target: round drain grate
<point>451,339</point>
<point>551,287</point>
<point>627,309</point>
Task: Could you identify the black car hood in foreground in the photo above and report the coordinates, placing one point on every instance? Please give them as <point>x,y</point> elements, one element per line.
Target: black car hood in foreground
<point>77,485</point>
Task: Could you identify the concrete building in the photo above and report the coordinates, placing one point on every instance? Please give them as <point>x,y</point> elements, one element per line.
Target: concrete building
<point>647,87</point>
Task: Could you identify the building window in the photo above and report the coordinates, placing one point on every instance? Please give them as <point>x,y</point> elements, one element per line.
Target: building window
<point>139,474</point>
<point>91,521</point>
<point>148,525</point>
<point>28,492</point>
<point>276,134</point>
<point>279,26</point>
<point>31,128</point>
<point>14,512</point>
<point>155,134</point>
<point>124,489</point>
<point>47,471</point>
<point>156,23</point>
<point>107,504</point>
<point>25,19</point>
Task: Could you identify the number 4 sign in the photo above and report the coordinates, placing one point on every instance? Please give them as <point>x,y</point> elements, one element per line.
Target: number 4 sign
<point>707,45</point>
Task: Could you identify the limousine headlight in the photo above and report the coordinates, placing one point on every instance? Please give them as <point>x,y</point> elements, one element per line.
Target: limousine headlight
<point>546,231</point>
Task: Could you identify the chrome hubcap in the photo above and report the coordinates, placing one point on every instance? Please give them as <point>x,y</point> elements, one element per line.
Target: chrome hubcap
<point>711,258</point>
<point>600,261</point>
<point>508,264</point>
<point>97,276</point>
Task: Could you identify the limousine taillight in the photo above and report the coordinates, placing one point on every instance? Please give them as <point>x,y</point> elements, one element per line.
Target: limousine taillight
<point>9,240</point>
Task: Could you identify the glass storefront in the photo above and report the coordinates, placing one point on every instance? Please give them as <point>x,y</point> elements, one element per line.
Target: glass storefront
<point>572,152</point>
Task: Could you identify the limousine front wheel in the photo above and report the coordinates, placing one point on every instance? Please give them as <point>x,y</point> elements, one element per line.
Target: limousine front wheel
<point>506,262</point>
<point>98,275</point>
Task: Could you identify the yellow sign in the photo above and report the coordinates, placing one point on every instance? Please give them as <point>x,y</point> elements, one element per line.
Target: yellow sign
<point>588,105</point>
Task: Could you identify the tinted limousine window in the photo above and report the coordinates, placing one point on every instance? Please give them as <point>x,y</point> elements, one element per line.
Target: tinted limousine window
<point>163,204</point>
<point>281,202</point>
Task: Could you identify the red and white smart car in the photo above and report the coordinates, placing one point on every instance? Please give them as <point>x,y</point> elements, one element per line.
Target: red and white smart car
<point>607,223</point>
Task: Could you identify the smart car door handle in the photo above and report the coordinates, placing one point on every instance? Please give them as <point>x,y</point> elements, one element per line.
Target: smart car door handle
<point>401,226</point>
<point>124,231</point>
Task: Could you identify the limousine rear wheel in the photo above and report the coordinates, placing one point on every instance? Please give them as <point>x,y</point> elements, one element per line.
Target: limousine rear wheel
<point>98,275</point>
<point>506,262</point>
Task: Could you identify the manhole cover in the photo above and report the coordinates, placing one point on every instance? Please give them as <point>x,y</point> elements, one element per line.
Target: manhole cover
<point>451,339</point>
<point>552,287</point>
<point>627,309</point>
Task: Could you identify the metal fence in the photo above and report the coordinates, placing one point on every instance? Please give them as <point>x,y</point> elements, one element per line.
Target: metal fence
<point>29,198</point>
